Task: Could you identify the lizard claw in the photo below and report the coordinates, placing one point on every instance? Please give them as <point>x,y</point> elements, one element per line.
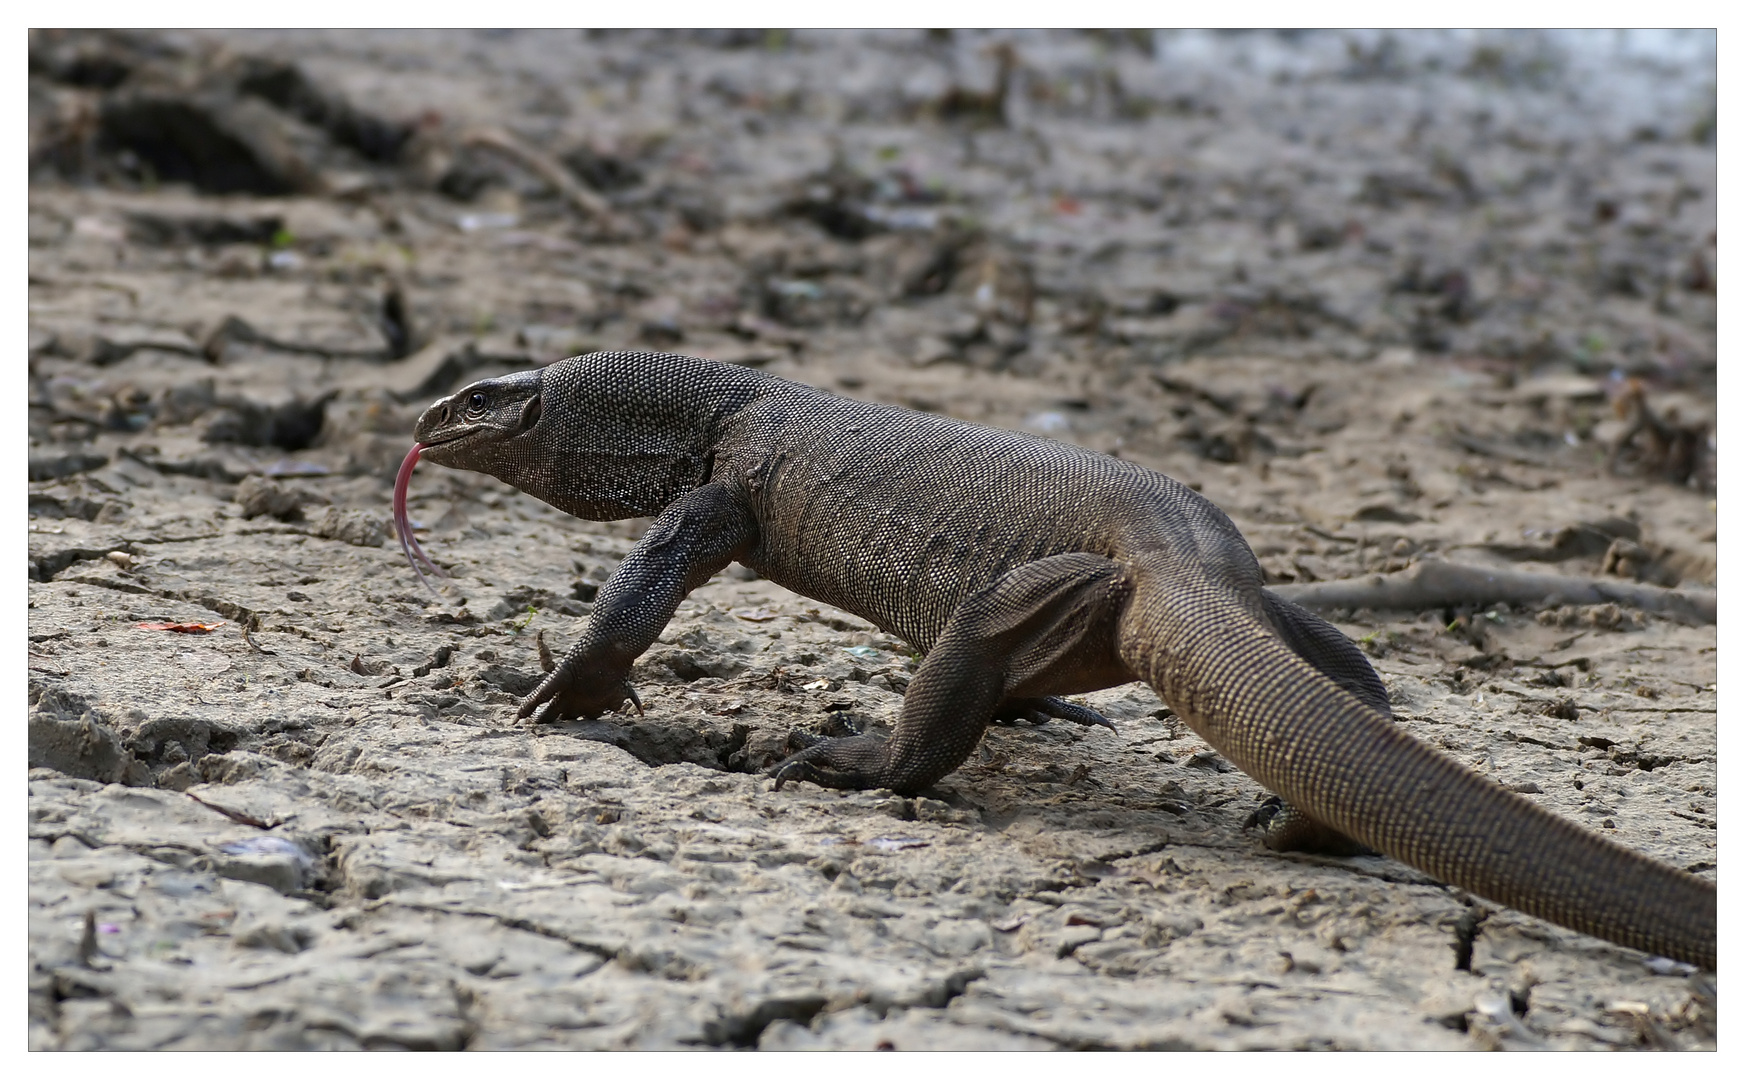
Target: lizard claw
<point>1061,709</point>
<point>1285,828</point>
<point>796,769</point>
<point>857,762</point>
<point>564,697</point>
<point>1042,710</point>
<point>790,770</point>
<point>795,766</point>
<point>1261,816</point>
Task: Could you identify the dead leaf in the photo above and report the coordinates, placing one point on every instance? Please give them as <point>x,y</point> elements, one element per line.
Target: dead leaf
<point>180,627</point>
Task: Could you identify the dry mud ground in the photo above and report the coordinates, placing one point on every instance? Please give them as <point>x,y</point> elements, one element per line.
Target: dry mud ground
<point>1376,296</point>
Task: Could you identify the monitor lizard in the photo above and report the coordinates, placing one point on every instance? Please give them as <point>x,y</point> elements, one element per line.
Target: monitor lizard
<point>1023,569</point>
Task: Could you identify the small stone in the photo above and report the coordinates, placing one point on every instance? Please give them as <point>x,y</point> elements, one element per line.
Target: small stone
<point>351,526</point>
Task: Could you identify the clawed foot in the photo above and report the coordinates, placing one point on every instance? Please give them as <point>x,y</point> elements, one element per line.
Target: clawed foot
<point>1043,709</point>
<point>852,763</point>
<point>567,696</point>
<point>1285,828</point>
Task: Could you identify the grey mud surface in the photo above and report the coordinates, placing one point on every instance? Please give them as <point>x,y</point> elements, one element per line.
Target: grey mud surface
<point>1372,294</point>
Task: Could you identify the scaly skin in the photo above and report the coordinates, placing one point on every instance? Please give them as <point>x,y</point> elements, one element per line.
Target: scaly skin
<point>1023,568</point>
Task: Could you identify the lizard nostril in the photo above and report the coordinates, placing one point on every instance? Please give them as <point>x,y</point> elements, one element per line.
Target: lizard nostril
<point>444,414</point>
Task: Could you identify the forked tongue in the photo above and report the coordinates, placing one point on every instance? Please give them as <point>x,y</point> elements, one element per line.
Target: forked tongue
<point>403,521</point>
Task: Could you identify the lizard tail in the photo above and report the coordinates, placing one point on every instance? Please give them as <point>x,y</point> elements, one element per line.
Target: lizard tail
<point>1343,763</point>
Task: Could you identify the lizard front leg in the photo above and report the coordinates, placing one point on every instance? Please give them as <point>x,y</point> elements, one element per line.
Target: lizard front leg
<point>1044,626</point>
<point>695,537</point>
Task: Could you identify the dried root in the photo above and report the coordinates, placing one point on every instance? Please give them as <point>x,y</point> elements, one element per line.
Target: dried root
<point>548,169</point>
<point>1430,585</point>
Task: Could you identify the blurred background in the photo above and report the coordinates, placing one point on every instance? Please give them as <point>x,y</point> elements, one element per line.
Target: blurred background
<point>1084,209</point>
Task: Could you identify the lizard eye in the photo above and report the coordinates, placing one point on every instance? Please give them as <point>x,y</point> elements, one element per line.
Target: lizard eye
<point>476,403</point>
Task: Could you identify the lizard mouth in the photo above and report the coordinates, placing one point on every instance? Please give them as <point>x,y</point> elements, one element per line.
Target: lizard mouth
<point>530,415</point>
<point>403,521</point>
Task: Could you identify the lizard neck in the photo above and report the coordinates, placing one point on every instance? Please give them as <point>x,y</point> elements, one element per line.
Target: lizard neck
<point>624,434</point>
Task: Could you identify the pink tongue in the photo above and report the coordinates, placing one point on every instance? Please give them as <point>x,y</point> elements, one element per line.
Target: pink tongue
<point>403,522</point>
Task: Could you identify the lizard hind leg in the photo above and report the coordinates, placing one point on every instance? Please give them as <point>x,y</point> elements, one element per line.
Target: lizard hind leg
<point>1321,644</point>
<point>1044,626</point>
<point>1283,827</point>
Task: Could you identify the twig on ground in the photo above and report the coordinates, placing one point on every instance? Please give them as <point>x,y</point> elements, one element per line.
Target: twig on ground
<point>88,949</point>
<point>235,815</point>
<point>1488,448</point>
<point>551,171</point>
<point>546,662</point>
<point>1441,584</point>
<point>252,623</point>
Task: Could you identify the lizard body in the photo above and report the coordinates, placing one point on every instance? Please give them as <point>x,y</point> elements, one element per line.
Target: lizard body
<point>1022,568</point>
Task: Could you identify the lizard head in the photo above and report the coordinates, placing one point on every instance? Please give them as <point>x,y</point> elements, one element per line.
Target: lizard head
<point>604,436</point>
<point>485,428</point>
<point>478,427</point>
